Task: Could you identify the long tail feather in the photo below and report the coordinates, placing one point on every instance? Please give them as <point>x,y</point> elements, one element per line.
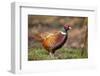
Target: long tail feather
<point>37,37</point>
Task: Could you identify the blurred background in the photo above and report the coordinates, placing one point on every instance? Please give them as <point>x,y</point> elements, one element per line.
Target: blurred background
<point>77,37</point>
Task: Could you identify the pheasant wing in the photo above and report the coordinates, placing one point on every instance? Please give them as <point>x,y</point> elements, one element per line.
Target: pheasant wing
<point>53,39</point>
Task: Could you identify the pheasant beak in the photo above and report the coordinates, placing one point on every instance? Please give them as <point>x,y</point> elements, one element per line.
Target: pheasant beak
<point>70,28</point>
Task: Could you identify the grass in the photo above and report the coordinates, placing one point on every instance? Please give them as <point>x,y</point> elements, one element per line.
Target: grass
<point>63,53</point>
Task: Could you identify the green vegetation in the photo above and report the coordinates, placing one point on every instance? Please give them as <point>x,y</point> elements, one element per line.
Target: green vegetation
<point>63,53</point>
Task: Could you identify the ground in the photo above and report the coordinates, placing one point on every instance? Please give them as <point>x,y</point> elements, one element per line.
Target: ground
<point>63,53</point>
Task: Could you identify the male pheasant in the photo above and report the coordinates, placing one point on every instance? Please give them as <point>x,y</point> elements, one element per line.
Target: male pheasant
<point>53,40</point>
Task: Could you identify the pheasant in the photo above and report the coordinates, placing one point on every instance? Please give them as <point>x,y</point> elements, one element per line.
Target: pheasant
<point>52,41</point>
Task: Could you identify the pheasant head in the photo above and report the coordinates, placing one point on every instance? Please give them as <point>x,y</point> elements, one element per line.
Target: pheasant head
<point>67,27</point>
